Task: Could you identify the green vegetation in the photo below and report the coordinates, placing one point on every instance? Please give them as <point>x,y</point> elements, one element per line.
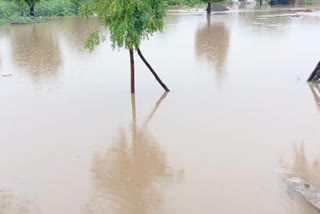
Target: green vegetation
<point>19,11</point>
<point>22,11</point>
<point>7,10</point>
<point>30,3</point>
<point>54,8</point>
<point>182,2</point>
<point>129,23</point>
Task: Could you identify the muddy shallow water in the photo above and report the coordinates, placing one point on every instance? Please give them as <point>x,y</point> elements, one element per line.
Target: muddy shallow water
<point>73,140</point>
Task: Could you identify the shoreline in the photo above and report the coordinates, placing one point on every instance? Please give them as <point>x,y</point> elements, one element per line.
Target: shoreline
<point>198,9</point>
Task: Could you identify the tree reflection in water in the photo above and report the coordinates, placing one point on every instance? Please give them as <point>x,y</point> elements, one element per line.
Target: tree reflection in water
<point>76,30</point>
<point>131,176</point>
<point>11,204</point>
<point>212,43</point>
<point>36,49</point>
<point>315,89</point>
<point>299,165</point>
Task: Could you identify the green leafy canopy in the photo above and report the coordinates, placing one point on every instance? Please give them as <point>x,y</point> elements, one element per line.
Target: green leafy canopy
<point>30,3</point>
<point>128,21</point>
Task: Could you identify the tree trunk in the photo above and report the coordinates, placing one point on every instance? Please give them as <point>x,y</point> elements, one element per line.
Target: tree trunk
<point>152,71</point>
<point>32,10</point>
<point>132,71</point>
<point>315,75</point>
<point>209,8</point>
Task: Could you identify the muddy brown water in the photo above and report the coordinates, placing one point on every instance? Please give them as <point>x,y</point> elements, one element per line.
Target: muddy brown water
<point>240,113</point>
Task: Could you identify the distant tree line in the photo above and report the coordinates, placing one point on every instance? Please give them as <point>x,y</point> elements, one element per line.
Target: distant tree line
<point>182,2</point>
<point>25,10</point>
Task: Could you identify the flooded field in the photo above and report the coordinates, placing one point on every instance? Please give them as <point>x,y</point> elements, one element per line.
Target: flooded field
<point>240,114</point>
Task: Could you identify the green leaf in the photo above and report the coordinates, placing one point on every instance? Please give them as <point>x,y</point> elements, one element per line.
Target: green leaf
<point>128,21</point>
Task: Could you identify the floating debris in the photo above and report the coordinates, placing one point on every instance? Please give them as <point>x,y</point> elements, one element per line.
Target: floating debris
<point>309,192</point>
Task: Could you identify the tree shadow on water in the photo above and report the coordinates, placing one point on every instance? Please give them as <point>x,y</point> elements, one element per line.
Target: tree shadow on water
<point>212,44</point>
<point>132,175</point>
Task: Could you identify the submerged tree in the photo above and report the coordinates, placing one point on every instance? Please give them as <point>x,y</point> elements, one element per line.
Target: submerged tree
<point>209,2</point>
<point>129,22</point>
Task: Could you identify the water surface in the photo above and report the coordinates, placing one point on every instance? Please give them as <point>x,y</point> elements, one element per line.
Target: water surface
<point>240,113</point>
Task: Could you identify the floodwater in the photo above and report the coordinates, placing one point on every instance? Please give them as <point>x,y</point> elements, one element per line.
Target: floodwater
<point>239,115</point>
